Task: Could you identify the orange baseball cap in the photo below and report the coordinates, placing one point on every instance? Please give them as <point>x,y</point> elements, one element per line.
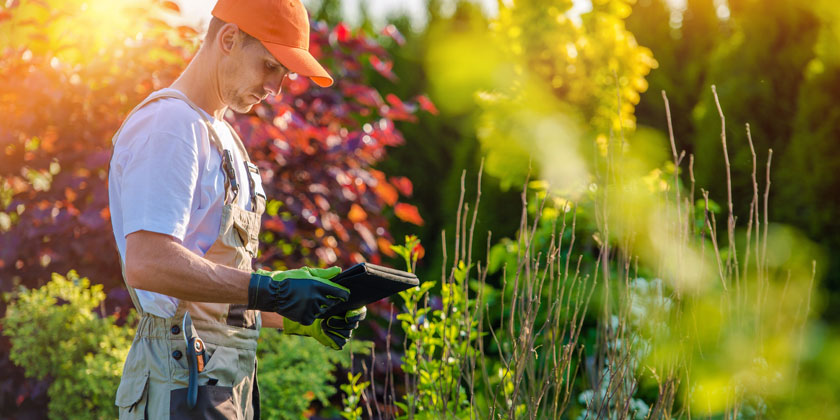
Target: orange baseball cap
<point>282,26</point>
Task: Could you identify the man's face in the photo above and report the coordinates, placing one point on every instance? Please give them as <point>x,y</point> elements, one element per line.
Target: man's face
<point>249,74</point>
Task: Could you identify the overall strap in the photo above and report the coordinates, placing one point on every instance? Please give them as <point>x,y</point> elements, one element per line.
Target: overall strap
<point>256,205</point>
<point>238,141</point>
<point>214,138</point>
<point>231,184</point>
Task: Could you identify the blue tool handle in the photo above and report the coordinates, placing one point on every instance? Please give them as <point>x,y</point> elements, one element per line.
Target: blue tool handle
<point>192,361</point>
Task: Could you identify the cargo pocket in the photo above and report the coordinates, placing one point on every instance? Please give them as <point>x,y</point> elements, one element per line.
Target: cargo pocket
<point>215,389</point>
<point>222,368</point>
<point>214,402</point>
<point>132,396</point>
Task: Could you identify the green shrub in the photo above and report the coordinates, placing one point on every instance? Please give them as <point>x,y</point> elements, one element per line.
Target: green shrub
<point>55,333</point>
<point>295,371</point>
<point>438,342</point>
<point>353,392</point>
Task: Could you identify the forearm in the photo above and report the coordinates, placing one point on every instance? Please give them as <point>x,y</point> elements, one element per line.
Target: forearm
<point>158,263</point>
<point>271,320</point>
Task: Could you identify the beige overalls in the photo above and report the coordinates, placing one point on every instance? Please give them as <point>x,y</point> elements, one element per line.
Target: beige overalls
<point>154,380</point>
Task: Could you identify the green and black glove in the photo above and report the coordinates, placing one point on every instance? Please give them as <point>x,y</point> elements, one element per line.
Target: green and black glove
<point>300,295</point>
<point>332,332</point>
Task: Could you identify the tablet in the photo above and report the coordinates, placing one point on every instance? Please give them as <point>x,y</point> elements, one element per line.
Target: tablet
<point>369,283</point>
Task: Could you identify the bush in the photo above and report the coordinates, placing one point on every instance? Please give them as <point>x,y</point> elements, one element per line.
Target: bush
<point>296,371</point>
<point>56,333</point>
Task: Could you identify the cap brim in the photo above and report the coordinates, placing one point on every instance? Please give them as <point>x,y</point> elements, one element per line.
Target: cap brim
<point>300,61</point>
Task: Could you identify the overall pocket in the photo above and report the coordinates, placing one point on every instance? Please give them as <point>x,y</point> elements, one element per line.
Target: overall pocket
<point>132,396</point>
<point>214,402</point>
<point>215,387</point>
<point>246,227</point>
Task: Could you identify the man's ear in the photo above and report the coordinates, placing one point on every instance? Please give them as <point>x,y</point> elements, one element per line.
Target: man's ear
<point>227,38</point>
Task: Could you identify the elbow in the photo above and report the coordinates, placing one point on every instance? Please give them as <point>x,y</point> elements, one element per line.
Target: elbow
<point>135,272</point>
<point>148,258</point>
<point>138,255</point>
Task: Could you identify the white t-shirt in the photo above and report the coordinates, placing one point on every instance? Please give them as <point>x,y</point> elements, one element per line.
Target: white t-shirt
<point>166,178</point>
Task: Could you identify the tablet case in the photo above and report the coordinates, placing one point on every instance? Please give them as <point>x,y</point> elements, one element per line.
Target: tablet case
<point>369,283</point>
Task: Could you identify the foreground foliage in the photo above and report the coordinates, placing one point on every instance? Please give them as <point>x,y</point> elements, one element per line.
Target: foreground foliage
<point>296,371</point>
<point>671,319</point>
<point>56,332</point>
<point>776,66</point>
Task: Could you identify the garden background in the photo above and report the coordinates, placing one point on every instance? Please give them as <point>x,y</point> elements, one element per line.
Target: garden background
<point>583,187</point>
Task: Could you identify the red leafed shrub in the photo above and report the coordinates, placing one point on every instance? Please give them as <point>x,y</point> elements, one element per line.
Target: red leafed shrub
<point>68,77</point>
<point>63,92</point>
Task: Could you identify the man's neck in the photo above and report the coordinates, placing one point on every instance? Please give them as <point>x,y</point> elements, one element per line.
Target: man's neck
<point>200,83</point>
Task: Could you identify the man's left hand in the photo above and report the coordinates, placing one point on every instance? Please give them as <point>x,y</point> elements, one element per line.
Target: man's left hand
<point>332,332</point>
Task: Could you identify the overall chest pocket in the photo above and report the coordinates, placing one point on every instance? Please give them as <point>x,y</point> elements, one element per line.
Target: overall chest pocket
<point>246,227</point>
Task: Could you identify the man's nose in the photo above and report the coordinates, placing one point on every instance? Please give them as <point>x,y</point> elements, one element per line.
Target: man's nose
<point>274,85</point>
<point>271,89</point>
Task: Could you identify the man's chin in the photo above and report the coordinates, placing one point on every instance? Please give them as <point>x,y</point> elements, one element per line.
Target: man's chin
<point>242,108</point>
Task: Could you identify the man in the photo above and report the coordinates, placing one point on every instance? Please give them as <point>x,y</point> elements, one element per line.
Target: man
<point>185,206</point>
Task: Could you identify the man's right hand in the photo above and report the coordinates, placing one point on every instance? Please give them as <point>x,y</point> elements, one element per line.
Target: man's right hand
<point>300,295</point>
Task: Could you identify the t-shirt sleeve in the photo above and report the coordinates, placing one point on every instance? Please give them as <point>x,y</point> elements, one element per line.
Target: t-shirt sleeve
<point>158,182</point>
